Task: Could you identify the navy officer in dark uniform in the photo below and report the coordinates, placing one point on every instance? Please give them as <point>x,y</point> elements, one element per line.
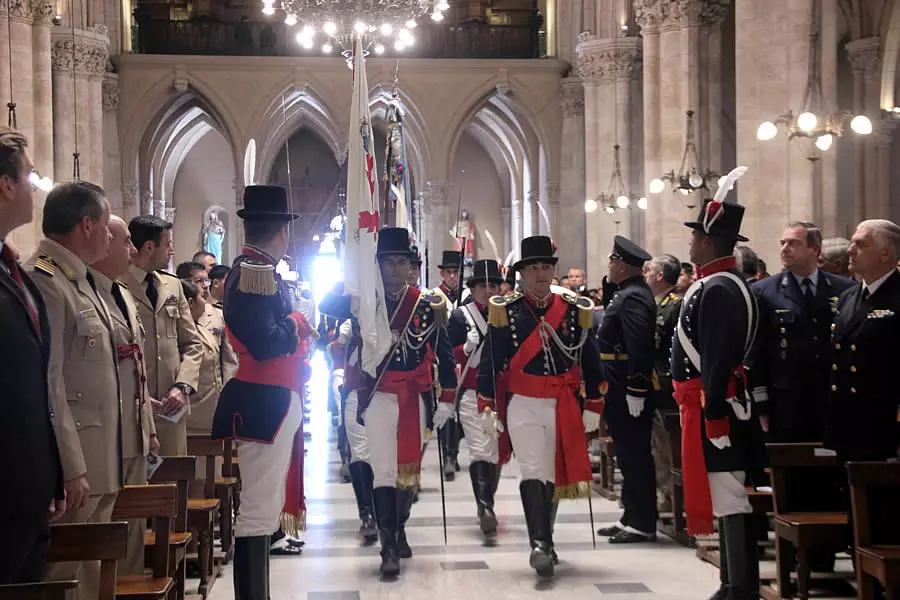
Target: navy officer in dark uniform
<point>721,436</point>
<point>627,340</point>
<point>261,406</point>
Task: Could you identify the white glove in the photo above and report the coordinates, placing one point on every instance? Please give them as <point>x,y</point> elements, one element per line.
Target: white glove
<point>591,421</point>
<point>491,425</point>
<point>344,332</point>
<point>472,341</point>
<point>635,405</point>
<point>740,411</point>
<point>721,442</point>
<point>442,414</point>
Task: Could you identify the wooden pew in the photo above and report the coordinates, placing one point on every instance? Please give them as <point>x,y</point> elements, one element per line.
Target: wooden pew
<point>797,524</point>
<point>180,470</point>
<point>607,464</point>
<point>160,503</point>
<point>76,542</point>
<point>677,527</point>
<point>874,493</point>
<point>223,488</point>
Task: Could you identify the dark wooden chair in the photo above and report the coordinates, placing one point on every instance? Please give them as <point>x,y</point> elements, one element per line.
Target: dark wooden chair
<point>875,497</point>
<point>800,523</point>
<point>223,488</point>
<point>677,527</point>
<point>180,470</point>
<point>607,487</point>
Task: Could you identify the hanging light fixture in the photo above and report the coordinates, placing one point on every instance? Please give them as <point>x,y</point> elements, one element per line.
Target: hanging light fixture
<point>617,195</point>
<point>812,122</point>
<point>690,177</point>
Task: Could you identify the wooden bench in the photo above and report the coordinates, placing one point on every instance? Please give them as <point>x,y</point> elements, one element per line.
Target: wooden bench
<point>160,503</point>
<point>606,487</point>
<point>799,525</point>
<point>224,488</point>
<point>180,470</point>
<point>77,542</point>
<point>874,494</point>
<point>676,528</point>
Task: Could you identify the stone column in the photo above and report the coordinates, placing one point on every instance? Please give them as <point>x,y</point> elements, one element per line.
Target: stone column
<point>112,159</point>
<point>129,207</point>
<point>507,232</point>
<point>21,42</point>
<point>146,202</point>
<point>871,195</point>
<point>439,226</point>
<point>237,234</point>
<point>568,222</point>
<point>611,70</point>
<point>515,226</point>
<point>41,63</point>
<point>159,207</point>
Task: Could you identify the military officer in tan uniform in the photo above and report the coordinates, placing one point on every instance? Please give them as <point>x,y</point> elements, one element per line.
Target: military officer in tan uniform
<point>172,350</point>
<point>212,319</point>
<point>138,428</point>
<point>84,387</point>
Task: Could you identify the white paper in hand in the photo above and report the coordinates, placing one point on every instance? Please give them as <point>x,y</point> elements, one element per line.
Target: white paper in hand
<point>174,417</point>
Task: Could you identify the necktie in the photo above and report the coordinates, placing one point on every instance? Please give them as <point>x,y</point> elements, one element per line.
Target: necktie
<point>151,290</point>
<point>120,302</point>
<point>865,294</point>
<point>7,257</point>
<point>809,295</point>
<point>91,282</point>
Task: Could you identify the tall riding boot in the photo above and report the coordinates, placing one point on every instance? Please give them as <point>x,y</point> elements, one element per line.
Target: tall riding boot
<point>446,434</point>
<point>722,592</point>
<point>361,477</point>
<point>251,570</point>
<point>388,518</point>
<point>404,502</point>
<point>537,519</point>
<point>483,477</point>
<point>549,492</point>
<point>741,557</point>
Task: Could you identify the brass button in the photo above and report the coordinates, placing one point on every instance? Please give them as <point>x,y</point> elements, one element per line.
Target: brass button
<point>837,346</point>
<point>853,369</point>
<point>834,367</point>
<point>783,330</point>
<point>834,388</point>
<point>92,342</point>
<point>852,347</point>
<point>852,390</point>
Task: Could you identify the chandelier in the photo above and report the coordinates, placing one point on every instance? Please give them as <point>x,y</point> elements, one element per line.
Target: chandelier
<point>812,122</point>
<point>616,195</point>
<point>690,177</point>
<point>376,22</point>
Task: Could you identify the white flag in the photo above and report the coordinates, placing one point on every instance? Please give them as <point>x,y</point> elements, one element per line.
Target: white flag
<point>362,275</point>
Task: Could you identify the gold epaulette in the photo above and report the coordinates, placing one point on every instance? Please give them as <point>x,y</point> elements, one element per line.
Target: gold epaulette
<point>438,305</point>
<point>257,278</point>
<point>497,314</point>
<point>46,265</point>
<point>585,309</point>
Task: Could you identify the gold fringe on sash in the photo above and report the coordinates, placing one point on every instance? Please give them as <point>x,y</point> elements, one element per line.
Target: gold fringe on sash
<point>573,491</point>
<point>293,524</point>
<point>257,279</point>
<point>408,476</point>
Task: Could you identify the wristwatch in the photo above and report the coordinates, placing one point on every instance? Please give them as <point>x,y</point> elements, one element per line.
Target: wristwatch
<point>185,388</point>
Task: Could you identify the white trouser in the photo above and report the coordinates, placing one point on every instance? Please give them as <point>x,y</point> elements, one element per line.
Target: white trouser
<point>382,420</point>
<point>356,433</point>
<point>482,446</point>
<point>264,470</point>
<point>531,423</point>
<point>729,496</point>
<point>337,380</point>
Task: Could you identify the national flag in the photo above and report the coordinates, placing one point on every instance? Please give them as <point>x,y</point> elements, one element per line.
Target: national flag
<point>362,277</point>
<point>396,172</point>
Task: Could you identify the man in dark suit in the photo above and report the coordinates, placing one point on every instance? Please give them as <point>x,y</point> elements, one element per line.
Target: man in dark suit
<point>28,450</point>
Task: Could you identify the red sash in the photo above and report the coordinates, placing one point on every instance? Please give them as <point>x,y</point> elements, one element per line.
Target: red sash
<point>408,385</point>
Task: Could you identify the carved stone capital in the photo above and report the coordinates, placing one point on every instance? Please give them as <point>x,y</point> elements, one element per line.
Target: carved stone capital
<point>883,132</point>
<point>17,10</point>
<point>159,208</point>
<point>129,194</point>
<point>87,54</point>
<point>571,97</point>
<point>604,60</point>
<point>238,186</point>
<point>169,214</point>
<point>146,202</point>
<point>553,190</point>
<point>110,92</point>
<point>437,191</point>
<point>865,56</point>
<point>42,12</point>
<point>657,15</point>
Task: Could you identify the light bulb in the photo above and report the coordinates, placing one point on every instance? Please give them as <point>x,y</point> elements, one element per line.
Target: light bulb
<point>622,201</point>
<point>327,48</point>
<point>590,205</point>
<point>359,27</point>
<point>642,203</point>
<point>684,192</point>
<point>610,209</point>
<point>442,5</point>
<point>405,35</point>
<point>766,131</point>
<point>308,31</point>
<point>657,186</point>
<point>307,43</point>
<point>387,29</point>
<point>329,28</point>
<point>316,238</point>
<point>379,49</point>
<point>807,121</point>
<point>861,125</point>
<point>823,142</point>
<point>399,45</point>
<point>268,10</point>
<point>411,24</point>
<point>437,17</point>
<point>695,180</point>
<point>896,109</point>
<point>290,20</point>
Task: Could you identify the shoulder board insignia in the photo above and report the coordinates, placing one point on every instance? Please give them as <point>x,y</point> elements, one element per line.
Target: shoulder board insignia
<point>258,279</point>
<point>45,265</point>
<point>162,272</point>
<point>585,309</point>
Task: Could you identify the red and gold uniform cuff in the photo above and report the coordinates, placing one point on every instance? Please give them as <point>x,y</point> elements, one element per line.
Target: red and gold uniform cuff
<point>485,403</point>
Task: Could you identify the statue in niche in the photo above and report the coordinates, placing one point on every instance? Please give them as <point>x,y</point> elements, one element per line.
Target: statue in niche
<point>465,237</point>
<point>213,235</point>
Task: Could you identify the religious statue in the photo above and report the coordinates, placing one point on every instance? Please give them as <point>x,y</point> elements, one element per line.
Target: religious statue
<point>213,235</point>
<point>465,237</point>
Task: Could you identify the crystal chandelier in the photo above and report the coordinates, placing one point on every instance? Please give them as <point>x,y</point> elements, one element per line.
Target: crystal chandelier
<point>690,177</point>
<point>812,122</point>
<point>333,23</point>
<point>617,195</point>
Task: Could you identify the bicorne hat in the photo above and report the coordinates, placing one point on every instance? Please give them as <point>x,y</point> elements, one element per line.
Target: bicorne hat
<point>718,217</point>
<point>535,249</point>
<point>266,203</point>
<point>629,252</point>
<point>485,271</point>
<point>393,240</point>
<point>450,259</point>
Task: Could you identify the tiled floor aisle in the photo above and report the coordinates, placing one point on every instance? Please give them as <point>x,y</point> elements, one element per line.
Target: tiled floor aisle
<point>334,565</point>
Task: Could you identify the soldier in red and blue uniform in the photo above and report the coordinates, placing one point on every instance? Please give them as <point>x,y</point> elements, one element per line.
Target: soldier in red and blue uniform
<point>395,406</point>
<point>539,350</point>
<point>449,437</point>
<point>261,406</point>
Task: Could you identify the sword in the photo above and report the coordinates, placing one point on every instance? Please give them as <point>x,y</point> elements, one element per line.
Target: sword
<point>443,499</point>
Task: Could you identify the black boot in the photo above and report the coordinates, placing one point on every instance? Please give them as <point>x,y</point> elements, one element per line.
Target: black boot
<point>361,477</point>
<point>446,434</point>
<point>537,519</point>
<point>722,592</point>
<point>251,568</point>
<point>549,492</point>
<point>388,521</point>
<point>483,475</point>
<point>741,557</point>
<point>405,502</point>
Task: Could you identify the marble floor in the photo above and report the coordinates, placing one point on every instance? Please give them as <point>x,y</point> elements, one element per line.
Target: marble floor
<point>336,566</point>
